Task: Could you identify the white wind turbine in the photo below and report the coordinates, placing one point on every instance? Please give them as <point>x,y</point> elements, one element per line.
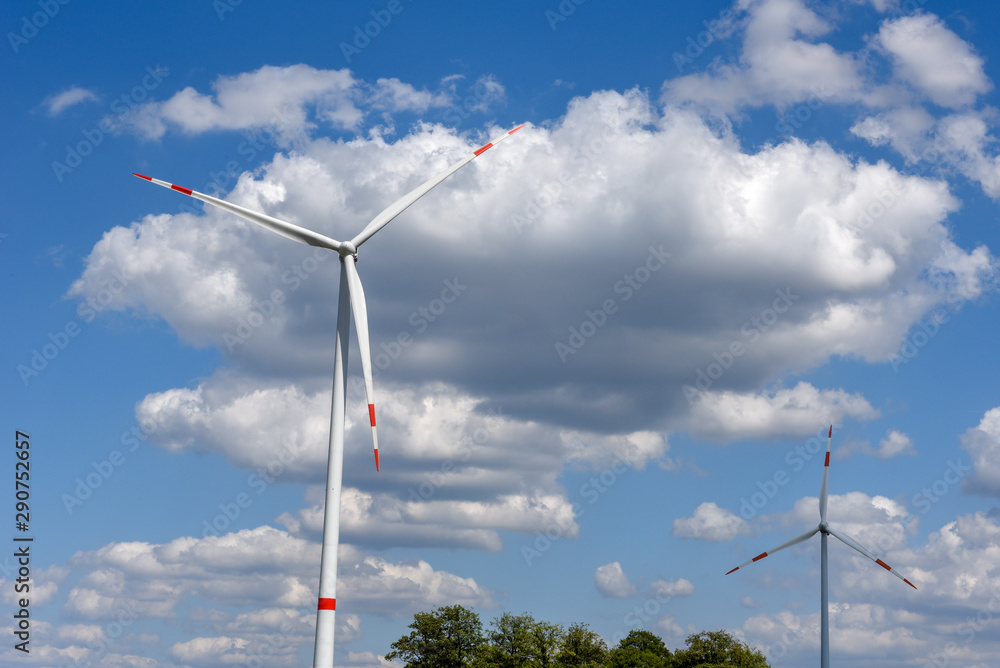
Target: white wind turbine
<point>352,297</point>
<point>824,530</point>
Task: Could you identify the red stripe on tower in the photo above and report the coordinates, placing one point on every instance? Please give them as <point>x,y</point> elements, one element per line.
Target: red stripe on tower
<point>181,189</point>
<point>327,604</point>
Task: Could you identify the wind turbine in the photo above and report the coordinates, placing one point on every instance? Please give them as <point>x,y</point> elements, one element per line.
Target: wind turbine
<point>352,297</point>
<point>825,530</point>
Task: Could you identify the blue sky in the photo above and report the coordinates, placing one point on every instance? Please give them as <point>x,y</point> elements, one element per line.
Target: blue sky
<point>724,228</point>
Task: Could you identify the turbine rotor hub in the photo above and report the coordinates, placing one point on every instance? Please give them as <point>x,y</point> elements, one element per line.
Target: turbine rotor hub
<point>347,248</point>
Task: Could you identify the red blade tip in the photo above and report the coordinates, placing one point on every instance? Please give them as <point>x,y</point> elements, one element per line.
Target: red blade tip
<point>830,435</point>
<point>148,178</point>
<point>376,460</point>
<point>734,570</point>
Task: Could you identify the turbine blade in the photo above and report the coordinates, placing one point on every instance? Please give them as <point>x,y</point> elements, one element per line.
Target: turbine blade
<point>795,541</point>
<point>406,200</point>
<point>826,479</point>
<point>360,309</point>
<point>289,230</point>
<point>850,542</point>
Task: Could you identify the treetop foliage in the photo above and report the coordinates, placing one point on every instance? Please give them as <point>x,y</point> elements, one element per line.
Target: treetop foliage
<point>453,637</point>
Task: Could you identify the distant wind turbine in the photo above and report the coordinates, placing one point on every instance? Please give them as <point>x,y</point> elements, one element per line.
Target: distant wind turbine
<point>824,530</point>
<point>352,297</point>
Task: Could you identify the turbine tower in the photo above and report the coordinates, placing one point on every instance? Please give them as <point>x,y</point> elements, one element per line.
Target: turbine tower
<point>825,530</point>
<point>352,298</point>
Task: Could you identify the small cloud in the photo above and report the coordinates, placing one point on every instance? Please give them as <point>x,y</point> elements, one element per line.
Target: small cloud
<point>612,582</point>
<point>671,588</point>
<point>56,255</point>
<point>895,443</point>
<point>62,101</point>
<point>710,522</point>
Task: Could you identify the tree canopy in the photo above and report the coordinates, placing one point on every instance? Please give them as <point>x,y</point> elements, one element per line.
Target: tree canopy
<point>453,637</point>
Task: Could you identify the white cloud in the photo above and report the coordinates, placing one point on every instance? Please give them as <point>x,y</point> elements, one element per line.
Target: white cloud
<point>794,412</point>
<point>934,60</point>
<point>263,568</point>
<point>383,520</point>
<point>895,443</point>
<point>876,522</point>
<point>612,582</point>
<point>58,103</point>
<point>395,95</point>
<point>983,445</point>
<point>792,219</point>
<point>662,589</point>
<point>710,522</point>
<point>780,64</point>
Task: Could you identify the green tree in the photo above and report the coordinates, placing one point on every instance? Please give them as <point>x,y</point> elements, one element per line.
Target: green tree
<point>640,649</point>
<point>546,639</point>
<point>449,637</point>
<point>718,649</point>
<point>581,648</point>
<point>518,641</point>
